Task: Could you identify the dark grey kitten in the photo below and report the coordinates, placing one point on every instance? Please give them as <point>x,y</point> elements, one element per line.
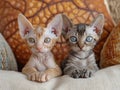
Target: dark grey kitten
<point>82,38</point>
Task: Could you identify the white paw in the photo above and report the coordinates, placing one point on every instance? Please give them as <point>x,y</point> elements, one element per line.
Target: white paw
<point>36,76</point>
<point>45,77</point>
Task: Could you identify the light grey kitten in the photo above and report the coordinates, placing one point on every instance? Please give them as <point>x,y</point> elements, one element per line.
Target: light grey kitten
<point>82,38</point>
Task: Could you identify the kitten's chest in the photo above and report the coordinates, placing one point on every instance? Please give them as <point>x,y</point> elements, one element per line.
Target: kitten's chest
<point>83,61</point>
<point>41,63</point>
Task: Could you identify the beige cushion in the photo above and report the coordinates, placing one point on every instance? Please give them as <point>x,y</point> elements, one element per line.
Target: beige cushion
<point>105,79</point>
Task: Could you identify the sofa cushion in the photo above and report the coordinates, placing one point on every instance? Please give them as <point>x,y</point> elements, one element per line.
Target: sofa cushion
<point>40,12</point>
<point>7,59</point>
<point>105,79</point>
<point>110,54</point>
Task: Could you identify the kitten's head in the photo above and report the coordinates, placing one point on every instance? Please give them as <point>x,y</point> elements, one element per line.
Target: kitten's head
<point>40,39</point>
<point>82,37</point>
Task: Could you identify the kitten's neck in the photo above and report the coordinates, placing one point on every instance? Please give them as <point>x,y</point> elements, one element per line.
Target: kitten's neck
<point>81,54</point>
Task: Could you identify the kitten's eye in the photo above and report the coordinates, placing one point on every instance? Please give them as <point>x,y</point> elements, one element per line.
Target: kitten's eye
<point>73,39</point>
<point>89,39</point>
<point>47,40</point>
<point>31,40</point>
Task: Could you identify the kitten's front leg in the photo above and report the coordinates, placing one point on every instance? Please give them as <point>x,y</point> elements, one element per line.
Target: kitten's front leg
<point>91,69</point>
<point>72,71</point>
<point>51,73</point>
<point>82,73</point>
<point>32,73</point>
<point>77,72</point>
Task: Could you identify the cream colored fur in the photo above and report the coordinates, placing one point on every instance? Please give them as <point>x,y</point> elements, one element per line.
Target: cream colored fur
<point>41,66</point>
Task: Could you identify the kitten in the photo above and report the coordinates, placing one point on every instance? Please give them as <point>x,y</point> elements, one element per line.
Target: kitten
<point>82,38</point>
<point>41,66</point>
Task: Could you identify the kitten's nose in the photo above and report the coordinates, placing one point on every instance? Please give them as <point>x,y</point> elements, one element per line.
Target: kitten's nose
<point>81,46</point>
<point>38,48</point>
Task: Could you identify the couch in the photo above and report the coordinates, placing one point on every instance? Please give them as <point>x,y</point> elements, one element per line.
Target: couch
<point>40,12</point>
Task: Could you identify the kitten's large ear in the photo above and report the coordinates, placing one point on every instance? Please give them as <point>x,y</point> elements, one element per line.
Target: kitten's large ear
<point>55,26</point>
<point>24,25</point>
<point>98,24</point>
<point>66,24</point>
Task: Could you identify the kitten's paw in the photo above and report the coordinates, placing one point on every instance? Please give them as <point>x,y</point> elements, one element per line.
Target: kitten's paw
<point>36,76</point>
<point>83,73</point>
<point>78,73</point>
<point>45,77</point>
<point>88,73</point>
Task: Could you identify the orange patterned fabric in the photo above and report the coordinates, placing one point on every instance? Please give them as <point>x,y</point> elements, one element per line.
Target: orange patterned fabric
<point>40,12</point>
<point>110,54</point>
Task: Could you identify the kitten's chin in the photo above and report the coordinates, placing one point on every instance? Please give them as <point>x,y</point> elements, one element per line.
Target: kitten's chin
<point>45,51</point>
<point>80,50</point>
<point>41,51</point>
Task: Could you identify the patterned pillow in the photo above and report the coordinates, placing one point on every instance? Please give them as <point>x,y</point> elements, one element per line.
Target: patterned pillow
<point>110,54</point>
<point>7,59</point>
<point>40,12</point>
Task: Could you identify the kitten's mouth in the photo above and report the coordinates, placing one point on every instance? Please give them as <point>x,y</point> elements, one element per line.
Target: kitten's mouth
<point>39,51</point>
<point>79,50</point>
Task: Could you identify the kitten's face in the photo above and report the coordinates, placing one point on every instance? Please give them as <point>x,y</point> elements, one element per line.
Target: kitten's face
<point>40,39</point>
<point>82,37</point>
<point>83,40</point>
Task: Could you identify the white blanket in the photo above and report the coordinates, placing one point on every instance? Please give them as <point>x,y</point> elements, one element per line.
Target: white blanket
<point>105,79</point>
